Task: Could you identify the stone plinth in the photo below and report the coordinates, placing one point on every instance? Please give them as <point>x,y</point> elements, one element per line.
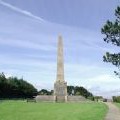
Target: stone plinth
<point>60,91</point>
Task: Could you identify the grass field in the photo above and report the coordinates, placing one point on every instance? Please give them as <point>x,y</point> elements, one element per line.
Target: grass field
<point>118,104</point>
<point>21,110</point>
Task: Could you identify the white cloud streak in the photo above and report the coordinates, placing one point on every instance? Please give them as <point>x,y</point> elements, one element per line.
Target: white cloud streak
<point>29,14</point>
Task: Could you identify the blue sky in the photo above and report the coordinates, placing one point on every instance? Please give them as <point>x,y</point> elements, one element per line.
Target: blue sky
<point>28,42</point>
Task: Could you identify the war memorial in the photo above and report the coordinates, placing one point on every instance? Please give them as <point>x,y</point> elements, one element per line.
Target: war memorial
<point>60,85</point>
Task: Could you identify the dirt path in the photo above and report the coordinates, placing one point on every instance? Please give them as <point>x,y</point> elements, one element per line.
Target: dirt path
<point>113,112</point>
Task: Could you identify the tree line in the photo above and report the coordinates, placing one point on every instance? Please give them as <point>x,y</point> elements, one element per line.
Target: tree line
<point>13,87</point>
<point>116,99</point>
<point>79,90</point>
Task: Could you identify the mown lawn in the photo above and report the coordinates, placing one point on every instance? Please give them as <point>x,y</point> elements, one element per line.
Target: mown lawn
<point>21,110</point>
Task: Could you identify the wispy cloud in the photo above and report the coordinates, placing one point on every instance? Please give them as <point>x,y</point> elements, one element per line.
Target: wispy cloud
<point>85,43</point>
<point>29,14</point>
<point>26,44</point>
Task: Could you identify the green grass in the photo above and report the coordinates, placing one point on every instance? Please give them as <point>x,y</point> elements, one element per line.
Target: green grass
<point>21,110</point>
<point>118,104</point>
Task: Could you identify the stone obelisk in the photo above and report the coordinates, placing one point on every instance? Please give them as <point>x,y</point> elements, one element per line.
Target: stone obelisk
<point>60,86</point>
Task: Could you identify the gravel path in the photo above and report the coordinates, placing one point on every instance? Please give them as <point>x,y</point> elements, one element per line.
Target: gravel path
<point>113,112</point>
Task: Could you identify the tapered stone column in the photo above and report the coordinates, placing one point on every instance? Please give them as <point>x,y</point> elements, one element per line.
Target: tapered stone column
<point>60,86</point>
<point>60,61</point>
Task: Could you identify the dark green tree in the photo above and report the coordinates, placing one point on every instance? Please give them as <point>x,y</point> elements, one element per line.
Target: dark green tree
<point>3,84</point>
<point>13,87</point>
<point>70,90</point>
<point>116,99</point>
<point>111,30</point>
<point>76,90</point>
<point>45,92</point>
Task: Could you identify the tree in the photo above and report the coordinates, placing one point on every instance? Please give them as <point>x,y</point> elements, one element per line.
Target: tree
<point>116,99</point>
<point>45,92</point>
<point>76,90</point>
<point>70,90</point>
<point>13,87</point>
<point>3,84</point>
<point>111,30</point>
